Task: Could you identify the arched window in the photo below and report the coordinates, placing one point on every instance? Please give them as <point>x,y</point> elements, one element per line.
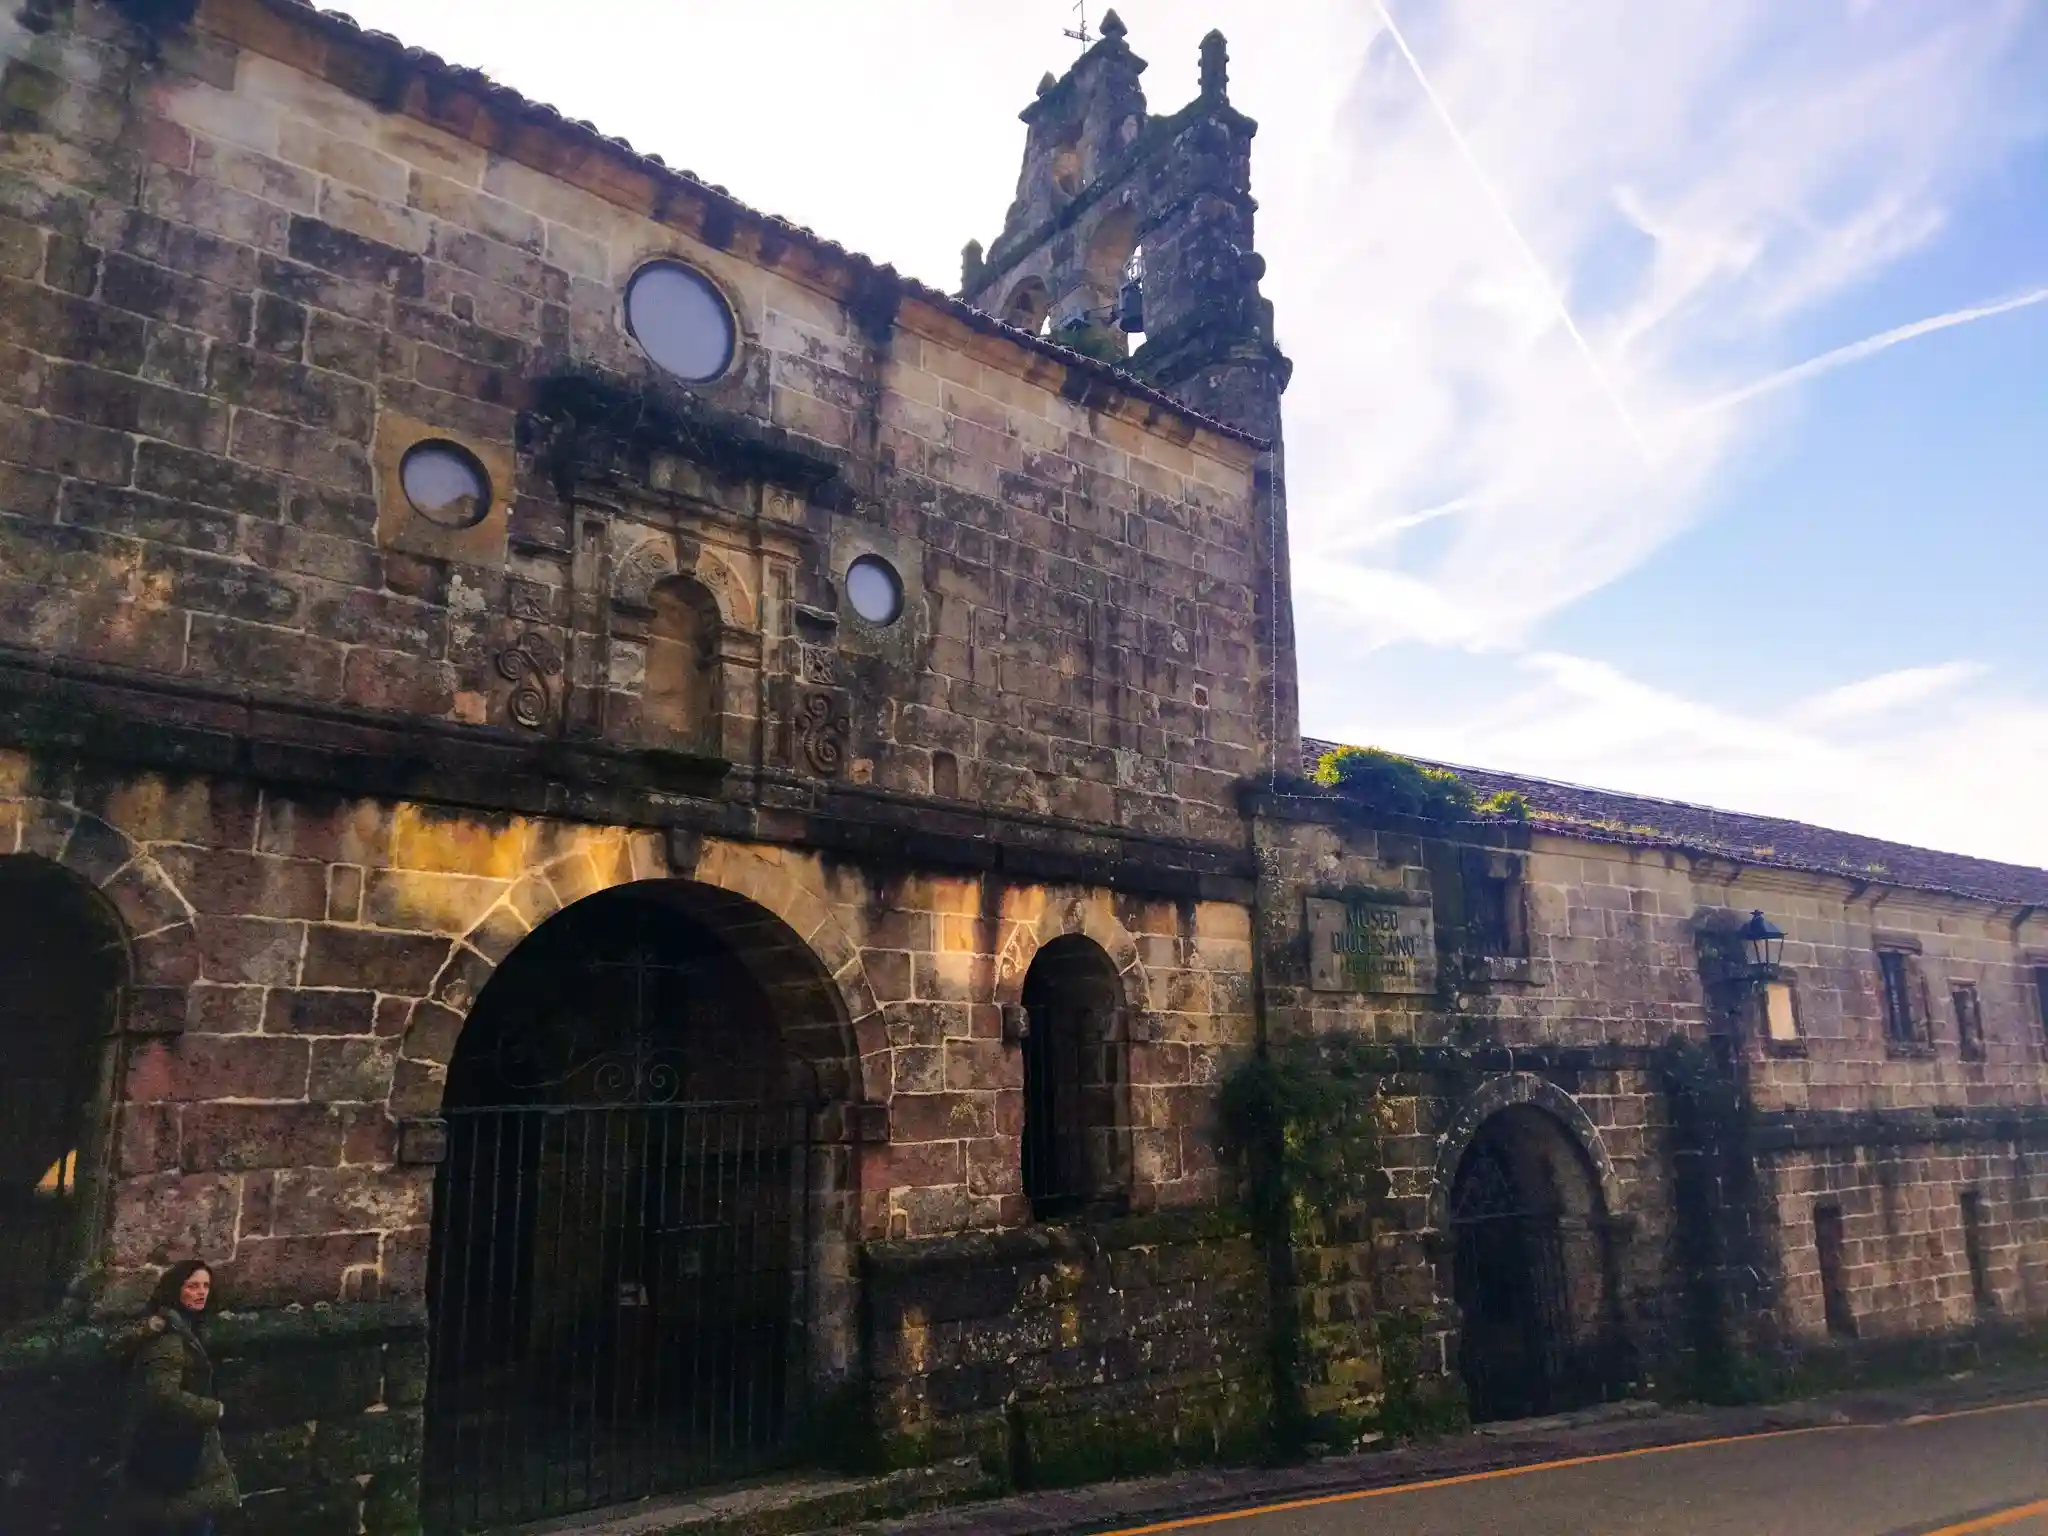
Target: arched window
<point>62,965</point>
<point>1075,1081</point>
<point>1029,305</point>
<point>680,704</point>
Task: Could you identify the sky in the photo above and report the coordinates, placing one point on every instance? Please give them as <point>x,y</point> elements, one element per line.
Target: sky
<point>1670,405</point>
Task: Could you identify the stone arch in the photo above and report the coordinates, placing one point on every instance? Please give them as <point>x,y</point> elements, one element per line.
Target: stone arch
<point>1110,244</point>
<point>155,919</point>
<point>650,561</point>
<point>1088,918</point>
<point>143,950</point>
<point>1028,305</point>
<point>736,608</point>
<point>1503,1092</point>
<point>759,902</point>
<point>642,567</point>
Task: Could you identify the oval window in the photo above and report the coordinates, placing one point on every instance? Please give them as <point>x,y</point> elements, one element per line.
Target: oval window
<point>874,589</point>
<point>445,484</point>
<point>680,321</point>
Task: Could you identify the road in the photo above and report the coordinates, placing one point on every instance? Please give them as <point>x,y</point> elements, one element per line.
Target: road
<point>1944,1475</point>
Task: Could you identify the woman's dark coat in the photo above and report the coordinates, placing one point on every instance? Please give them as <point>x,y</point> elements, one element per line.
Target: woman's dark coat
<point>172,1402</point>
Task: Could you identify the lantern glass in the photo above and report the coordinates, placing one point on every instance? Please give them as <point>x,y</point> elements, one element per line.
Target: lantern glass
<point>1763,943</point>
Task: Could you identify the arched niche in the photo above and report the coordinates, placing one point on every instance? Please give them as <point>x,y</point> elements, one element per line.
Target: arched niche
<point>681,697</point>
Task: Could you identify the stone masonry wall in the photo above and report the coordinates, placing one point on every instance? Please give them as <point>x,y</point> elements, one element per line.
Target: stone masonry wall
<point>1610,973</point>
<point>1906,1269</point>
<point>305,966</point>
<point>322,1428</point>
<point>1066,1353</point>
<point>238,268</point>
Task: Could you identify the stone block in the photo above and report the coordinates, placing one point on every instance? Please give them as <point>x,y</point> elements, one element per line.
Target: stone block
<point>352,1071</point>
<point>216,880</point>
<point>316,1509</point>
<point>275,1271</point>
<point>235,1137</point>
<point>231,651</point>
<point>166,1217</point>
<point>199,1067</point>
<point>404,963</point>
<point>249,949</point>
<point>367,1443</point>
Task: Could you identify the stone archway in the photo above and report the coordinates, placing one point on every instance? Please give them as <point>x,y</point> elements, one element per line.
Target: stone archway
<point>632,1251</point>
<point>1089,916</point>
<point>1522,1201</point>
<point>122,939</point>
<point>774,915</point>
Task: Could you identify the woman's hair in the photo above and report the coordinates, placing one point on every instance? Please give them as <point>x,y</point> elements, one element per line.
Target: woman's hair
<point>173,1281</point>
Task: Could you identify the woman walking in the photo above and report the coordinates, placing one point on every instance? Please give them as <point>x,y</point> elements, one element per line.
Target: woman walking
<point>178,1478</point>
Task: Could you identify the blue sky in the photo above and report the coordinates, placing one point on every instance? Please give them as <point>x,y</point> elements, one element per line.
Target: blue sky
<point>1570,493</point>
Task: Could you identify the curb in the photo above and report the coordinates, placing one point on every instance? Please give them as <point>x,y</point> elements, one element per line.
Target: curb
<point>1620,1427</point>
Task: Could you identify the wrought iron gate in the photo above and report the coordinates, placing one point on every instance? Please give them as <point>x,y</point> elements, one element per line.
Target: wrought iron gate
<point>1514,1291</point>
<point>618,1299</point>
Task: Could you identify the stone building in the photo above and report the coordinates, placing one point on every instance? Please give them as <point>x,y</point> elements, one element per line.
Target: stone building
<point>659,840</point>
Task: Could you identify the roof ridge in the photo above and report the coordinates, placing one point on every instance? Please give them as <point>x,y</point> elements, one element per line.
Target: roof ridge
<point>1955,879</point>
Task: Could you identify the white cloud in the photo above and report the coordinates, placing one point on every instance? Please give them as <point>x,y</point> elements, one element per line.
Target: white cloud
<point>1700,175</point>
<point>1922,756</point>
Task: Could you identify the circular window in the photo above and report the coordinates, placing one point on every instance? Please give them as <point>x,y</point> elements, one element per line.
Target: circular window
<point>874,589</point>
<point>445,484</point>
<point>680,321</point>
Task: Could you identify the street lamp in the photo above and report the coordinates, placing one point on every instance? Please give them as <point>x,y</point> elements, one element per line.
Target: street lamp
<point>1763,944</point>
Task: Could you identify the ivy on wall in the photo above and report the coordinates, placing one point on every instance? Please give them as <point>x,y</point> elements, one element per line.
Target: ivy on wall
<point>1301,1127</point>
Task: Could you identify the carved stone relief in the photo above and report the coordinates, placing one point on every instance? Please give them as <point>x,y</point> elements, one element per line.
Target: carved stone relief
<point>821,728</point>
<point>528,664</point>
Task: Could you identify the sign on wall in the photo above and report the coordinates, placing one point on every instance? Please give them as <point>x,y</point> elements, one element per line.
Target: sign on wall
<point>1380,941</point>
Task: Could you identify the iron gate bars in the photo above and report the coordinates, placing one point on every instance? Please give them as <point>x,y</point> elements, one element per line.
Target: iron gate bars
<point>618,1296</point>
<point>1513,1287</point>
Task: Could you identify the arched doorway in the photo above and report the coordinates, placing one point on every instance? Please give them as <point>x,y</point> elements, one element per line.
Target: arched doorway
<point>619,1284</point>
<point>63,962</point>
<point>1076,1081</point>
<point>1530,1270</point>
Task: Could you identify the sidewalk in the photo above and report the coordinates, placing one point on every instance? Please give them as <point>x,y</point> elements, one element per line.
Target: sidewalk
<point>1619,1427</point>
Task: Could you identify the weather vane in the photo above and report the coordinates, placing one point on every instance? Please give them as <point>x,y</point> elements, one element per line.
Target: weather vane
<point>1079,34</point>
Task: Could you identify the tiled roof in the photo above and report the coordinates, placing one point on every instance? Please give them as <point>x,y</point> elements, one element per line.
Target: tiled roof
<point>335,23</point>
<point>1607,815</point>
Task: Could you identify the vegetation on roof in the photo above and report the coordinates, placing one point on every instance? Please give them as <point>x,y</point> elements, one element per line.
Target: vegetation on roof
<point>1400,786</point>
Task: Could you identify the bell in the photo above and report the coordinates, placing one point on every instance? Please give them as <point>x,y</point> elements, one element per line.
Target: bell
<point>1130,306</point>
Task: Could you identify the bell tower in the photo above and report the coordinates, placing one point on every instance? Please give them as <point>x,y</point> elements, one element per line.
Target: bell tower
<point>1134,228</point>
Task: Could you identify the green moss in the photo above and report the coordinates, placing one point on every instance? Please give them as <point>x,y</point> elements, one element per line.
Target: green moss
<point>1415,1403</point>
<point>1396,785</point>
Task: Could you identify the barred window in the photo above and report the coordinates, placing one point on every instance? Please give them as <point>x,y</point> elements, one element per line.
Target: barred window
<point>1896,978</point>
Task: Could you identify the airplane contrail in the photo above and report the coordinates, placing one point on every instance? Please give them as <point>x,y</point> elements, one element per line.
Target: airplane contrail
<point>1855,351</point>
<point>1507,219</point>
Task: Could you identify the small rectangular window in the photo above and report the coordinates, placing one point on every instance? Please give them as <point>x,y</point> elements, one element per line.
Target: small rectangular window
<point>1494,914</point>
<point>1781,1013</point>
<point>1973,1247</point>
<point>2041,995</point>
<point>1969,1020</point>
<point>1897,980</point>
<point>1834,1288</point>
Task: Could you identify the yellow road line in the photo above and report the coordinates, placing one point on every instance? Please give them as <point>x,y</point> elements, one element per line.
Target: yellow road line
<point>1319,1501</point>
<point>1992,1522</point>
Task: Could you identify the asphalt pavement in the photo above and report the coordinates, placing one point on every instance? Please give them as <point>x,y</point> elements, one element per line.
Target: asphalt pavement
<point>1980,1470</point>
